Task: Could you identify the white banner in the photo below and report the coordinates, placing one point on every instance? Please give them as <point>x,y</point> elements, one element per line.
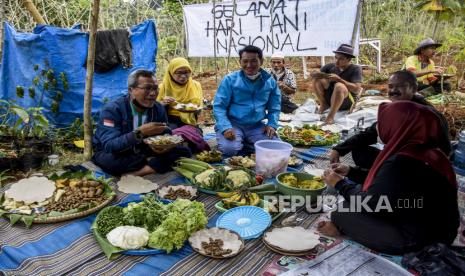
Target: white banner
<point>295,27</point>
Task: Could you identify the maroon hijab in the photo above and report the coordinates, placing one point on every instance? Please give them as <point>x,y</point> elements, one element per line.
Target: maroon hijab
<point>410,129</point>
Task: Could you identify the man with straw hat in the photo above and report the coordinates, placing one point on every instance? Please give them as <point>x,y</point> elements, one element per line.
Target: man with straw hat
<point>422,65</point>
<point>286,81</point>
<point>338,85</point>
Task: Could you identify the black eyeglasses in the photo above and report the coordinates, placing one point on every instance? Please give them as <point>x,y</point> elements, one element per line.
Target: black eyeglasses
<point>148,89</point>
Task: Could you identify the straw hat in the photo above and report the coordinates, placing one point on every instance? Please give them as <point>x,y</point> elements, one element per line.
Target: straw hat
<point>426,43</point>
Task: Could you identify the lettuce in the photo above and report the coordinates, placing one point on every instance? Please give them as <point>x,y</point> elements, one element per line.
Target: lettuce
<point>184,218</point>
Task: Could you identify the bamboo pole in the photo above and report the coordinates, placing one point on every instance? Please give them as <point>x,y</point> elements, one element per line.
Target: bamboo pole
<point>89,80</point>
<point>34,12</point>
<point>214,43</point>
<point>230,35</point>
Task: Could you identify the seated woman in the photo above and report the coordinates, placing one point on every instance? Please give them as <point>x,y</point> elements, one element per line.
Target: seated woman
<point>178,87</point>
<point>410,192</point>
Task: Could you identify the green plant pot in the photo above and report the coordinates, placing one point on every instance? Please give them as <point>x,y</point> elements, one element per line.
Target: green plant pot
<point>287,190</point>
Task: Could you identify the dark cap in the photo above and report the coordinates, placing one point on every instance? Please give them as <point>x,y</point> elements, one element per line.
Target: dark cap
<point>345,49</point>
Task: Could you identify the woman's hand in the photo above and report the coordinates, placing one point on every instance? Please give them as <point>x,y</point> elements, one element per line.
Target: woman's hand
<point>341,169</point>
<point>333,157</point>
<point>331,178</point>
<point>168,100</point>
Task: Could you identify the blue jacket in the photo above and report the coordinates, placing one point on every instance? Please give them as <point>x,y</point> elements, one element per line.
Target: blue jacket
<point>115,126</point>
<point>243,102</point>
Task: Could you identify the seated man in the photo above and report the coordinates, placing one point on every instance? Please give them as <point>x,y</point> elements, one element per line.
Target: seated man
<point>124,123</point>
<point>341,88</point>
<point>286,82</point>
<point>402,86</point>
<point>422,65</point>
<point>243,100</point>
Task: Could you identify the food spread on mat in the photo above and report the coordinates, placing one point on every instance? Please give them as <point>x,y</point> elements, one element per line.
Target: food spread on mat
<point>163,140</point>
<point>308,136</point>
<point>294,161</point>
<point>216,242</point>
<point>239,198</point>
<point>168,225</point>
<point>292,181</point>
<point>212,156</point>
<point>203,175</point>
<point>44,198</point>
<point>187,107</point>
<point>241,161</point>
<point>131,184</point>
<point>178,191</point>
<point>293,238</point>
<point>214,247</point>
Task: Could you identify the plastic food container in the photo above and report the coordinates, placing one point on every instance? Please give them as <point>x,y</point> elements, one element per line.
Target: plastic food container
<point>53,159</point>
<point>271,157</point>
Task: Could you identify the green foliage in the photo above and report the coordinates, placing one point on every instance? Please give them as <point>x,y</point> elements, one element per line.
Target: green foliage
<point>22,122</point>
<point>4,177</point>
<point>47,83</point>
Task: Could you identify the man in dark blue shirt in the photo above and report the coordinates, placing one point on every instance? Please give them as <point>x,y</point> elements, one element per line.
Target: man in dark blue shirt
<point>340,88</point>
<point>124,123</point>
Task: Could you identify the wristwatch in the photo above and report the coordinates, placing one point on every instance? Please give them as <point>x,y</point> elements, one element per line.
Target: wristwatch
<point>138,134</point>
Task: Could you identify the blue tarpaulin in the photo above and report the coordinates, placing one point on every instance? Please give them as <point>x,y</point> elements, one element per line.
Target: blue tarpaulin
<point>65,50</point>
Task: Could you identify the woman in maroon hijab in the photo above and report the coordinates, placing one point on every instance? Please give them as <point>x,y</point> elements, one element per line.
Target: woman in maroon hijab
<point>409,197</point>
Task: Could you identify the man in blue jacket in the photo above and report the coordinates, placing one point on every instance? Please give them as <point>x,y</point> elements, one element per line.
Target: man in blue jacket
<point>124,123</point>
<point>244,99</point>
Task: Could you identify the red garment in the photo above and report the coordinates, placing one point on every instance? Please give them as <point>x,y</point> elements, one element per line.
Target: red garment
<point>410,129</point>
<point>192,135</point>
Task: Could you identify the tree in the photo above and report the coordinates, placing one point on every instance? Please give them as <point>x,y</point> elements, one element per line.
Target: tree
<point>444,10</point>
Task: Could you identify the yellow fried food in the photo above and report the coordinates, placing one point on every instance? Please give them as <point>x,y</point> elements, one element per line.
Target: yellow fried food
<point>309,184</point>
<point>290,180</point>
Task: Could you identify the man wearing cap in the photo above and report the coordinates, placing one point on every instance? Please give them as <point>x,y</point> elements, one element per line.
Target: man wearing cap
<point>422,65</point>
<point>286,81</point>
<point>340,89</point>
<point>246,106</point>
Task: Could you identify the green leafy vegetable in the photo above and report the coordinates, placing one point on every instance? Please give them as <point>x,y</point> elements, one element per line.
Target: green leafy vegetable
<point>184,218</point>
<point>109,218</point>
<point>147,214</point>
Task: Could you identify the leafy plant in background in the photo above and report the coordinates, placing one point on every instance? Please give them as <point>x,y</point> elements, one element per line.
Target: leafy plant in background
<point>4,177</point>
<point>22,122</point>
<point>444,10</point>
<point>48,83</point>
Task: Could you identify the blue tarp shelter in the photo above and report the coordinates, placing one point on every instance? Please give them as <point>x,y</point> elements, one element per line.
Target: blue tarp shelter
<point>65,50</point>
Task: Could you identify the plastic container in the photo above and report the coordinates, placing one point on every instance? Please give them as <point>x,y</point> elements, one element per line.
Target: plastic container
<point>271,157</point>
<point>53,159</point>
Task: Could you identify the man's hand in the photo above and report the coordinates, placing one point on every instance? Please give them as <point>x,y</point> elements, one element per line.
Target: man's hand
<point>153,128</point>
<point>438,70</point>
<point>281,85</point>
<point>341,169</point>
<point>330,177</point>
<point>335,78</point>
<point>269,131</point>
<point>229,134</point>
<point>333,156</point>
